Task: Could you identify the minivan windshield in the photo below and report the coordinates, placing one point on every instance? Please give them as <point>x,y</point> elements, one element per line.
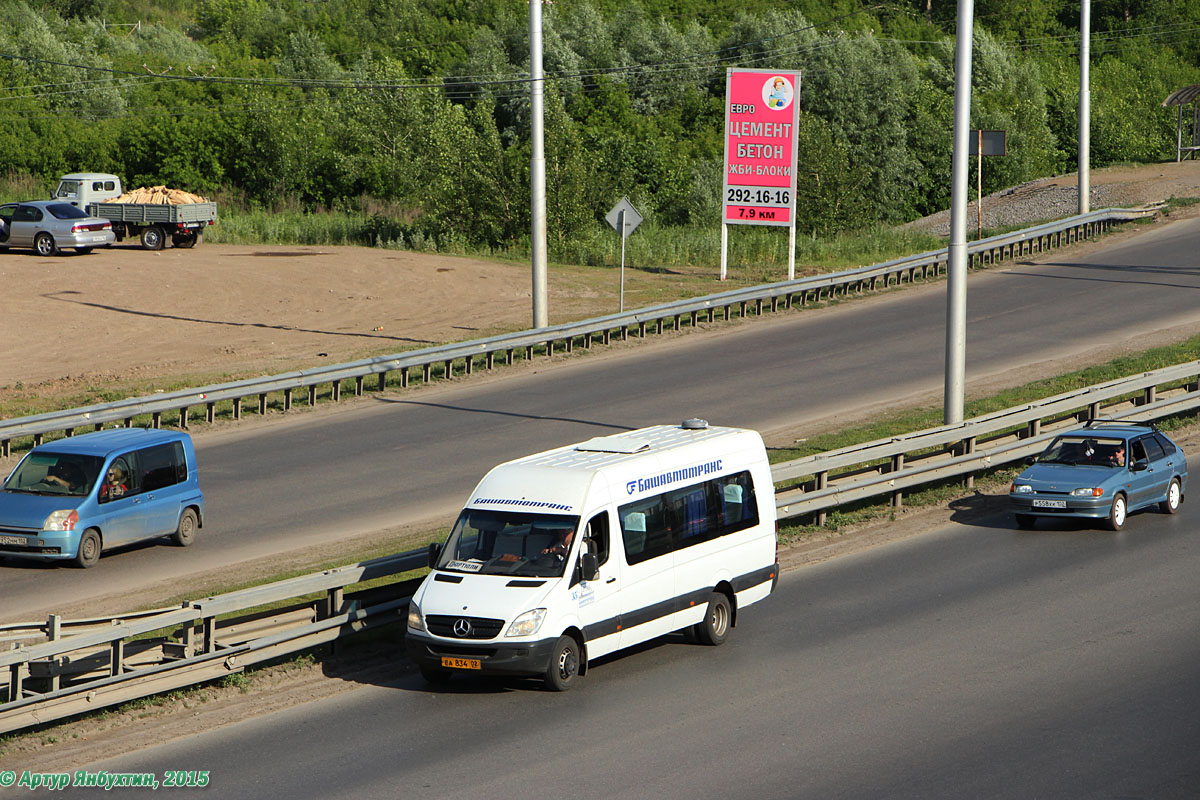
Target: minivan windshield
<point>509,543</point>
<point>47,472</point>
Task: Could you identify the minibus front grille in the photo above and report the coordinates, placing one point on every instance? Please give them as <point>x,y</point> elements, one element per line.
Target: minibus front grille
<point>463,627</point>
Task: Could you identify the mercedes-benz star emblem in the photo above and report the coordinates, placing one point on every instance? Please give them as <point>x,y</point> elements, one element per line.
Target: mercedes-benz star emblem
<point>462,627</point>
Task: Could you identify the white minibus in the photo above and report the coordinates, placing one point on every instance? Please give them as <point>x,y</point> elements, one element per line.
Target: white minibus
<point>565,556</point>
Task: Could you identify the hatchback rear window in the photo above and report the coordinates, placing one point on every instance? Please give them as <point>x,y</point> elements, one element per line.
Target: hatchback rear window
<point>65,211</point>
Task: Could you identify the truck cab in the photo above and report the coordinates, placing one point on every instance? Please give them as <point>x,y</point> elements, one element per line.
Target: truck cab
<point>81,188</point>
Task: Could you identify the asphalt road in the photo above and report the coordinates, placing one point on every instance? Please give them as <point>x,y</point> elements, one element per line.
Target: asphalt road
<point>975,661</point>
<point>414,457</point>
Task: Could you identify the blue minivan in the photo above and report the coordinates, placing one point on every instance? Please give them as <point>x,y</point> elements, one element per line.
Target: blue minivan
<point>71,499</point>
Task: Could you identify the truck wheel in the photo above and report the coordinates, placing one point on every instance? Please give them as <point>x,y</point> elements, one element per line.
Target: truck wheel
<point>153,238</point>
<point>184,240</point>
<point>44,244</point>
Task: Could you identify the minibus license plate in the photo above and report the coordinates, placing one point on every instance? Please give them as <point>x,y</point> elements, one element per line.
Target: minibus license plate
<point>461,663</point>
<point>13,540</point>
<point>1049,503</point>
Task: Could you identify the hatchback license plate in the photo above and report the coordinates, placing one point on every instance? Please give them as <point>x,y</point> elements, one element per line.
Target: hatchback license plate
<point>461,663</point>
<point>1049,503</point>
<point>13,540</point>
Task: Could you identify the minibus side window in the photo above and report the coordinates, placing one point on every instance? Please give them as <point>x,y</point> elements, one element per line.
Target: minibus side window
<point>655,526</point>
<point>739,508</point>
<point>595,537</point>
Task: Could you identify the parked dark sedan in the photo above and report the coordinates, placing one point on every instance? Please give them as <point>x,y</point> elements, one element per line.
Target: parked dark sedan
<point>1102,472</point>
<point>49,225</point>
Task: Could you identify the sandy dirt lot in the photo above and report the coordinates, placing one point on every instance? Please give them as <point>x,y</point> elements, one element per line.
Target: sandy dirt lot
<point>221,310</point>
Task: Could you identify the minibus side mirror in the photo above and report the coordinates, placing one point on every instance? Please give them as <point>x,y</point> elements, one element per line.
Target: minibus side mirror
<point>435,551</point>
<point>591,569</point>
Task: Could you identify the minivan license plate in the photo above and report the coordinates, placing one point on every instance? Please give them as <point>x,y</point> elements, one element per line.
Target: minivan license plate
<point>461,663</point>
<point>13,540</point>
<point>1049,503</point>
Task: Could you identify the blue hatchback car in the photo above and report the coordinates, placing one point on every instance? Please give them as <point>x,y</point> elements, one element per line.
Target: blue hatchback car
<point>1103,471</point>
<point>71,499</point>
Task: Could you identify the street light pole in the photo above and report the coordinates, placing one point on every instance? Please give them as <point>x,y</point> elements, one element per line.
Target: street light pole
<point>537,167</point>
<point>1085,107</point>
<point>956,259</point>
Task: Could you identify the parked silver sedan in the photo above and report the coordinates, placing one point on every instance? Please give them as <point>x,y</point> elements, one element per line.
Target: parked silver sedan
<point>49,225</point>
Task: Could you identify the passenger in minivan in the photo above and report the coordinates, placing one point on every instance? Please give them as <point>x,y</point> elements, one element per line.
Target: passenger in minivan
<point>114,482</point>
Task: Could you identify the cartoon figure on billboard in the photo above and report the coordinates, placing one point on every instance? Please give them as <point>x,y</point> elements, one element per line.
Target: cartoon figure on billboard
<point>777,93</point>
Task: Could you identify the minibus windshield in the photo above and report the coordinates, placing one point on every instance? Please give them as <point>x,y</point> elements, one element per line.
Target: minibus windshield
<point>509,543</point>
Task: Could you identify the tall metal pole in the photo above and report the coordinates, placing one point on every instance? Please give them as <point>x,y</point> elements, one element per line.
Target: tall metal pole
<point>956,261</point>
<point>1085,103</point>
<point>537,167</point>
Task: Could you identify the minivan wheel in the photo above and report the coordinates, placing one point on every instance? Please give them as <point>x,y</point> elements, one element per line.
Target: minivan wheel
<point>1116,515</point>
<point>89,549</point>
<point>1174,498</point>
<point>714,628</point>
<point>563,669</point>
<point>185,534</point>
<point>44,245</point>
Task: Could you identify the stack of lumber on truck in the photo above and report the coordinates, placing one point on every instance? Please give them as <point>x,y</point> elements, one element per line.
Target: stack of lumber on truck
<point>158,195</point>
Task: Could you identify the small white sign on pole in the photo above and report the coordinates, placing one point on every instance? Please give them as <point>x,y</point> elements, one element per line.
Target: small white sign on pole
<point>624,219</point>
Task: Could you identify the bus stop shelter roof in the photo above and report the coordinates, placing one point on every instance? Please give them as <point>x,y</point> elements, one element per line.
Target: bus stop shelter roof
<point>1182,97</point>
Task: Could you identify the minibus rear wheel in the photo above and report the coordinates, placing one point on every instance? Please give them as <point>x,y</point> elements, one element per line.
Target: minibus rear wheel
<point>714,628</point>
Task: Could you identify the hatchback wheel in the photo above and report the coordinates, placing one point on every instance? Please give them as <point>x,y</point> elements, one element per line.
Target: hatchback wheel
<point>1174,498</point>
<point>1116,515</point>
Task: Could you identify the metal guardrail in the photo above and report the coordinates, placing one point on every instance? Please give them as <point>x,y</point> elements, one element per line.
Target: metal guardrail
<point>483,352</point>
<point>116,663</point>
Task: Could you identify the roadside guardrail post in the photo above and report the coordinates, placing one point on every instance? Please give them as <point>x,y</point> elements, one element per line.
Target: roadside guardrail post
<point>117,658</point>
<point>897,496</point>
<point>968,449</point>
<point>822,482</point>
<point>16,680</point>
<point>54,632</point>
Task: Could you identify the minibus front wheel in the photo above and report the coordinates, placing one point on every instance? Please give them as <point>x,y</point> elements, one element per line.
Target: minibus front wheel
<point>563,669</point>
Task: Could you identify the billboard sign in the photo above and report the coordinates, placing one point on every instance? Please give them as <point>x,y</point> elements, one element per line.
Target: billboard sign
<point>761,112</point>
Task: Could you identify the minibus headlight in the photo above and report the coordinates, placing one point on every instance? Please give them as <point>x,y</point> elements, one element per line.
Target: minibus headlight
<point>415,623</point>
<point>527,624</point>
<point>63,520</point>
